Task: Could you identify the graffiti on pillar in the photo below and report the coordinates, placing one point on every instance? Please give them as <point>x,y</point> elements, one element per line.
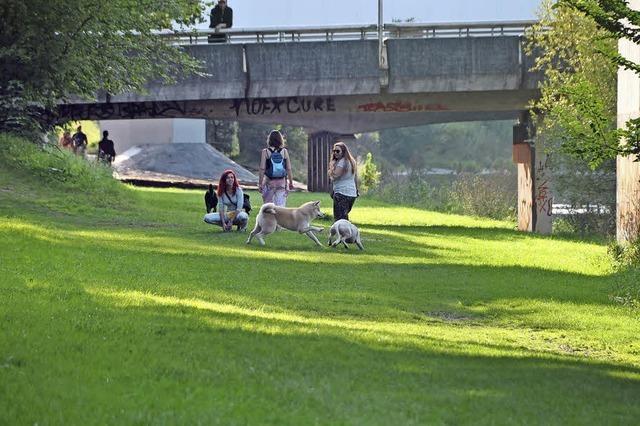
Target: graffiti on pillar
<point>106,111</point>
<point>544,198</point>
<point>400,106</point>
<point>290,105</point>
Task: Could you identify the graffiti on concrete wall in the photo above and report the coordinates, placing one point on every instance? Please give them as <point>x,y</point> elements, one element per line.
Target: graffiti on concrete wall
<point>106,111</point>
<point>400,106</point>
<point>290,105</point>
<point>544,197</point>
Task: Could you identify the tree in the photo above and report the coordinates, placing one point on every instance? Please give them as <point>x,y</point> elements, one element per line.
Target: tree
<point>297,139</point>
<point>616,19</point>
<point>50,52</point>
<point>223,135</point>
<point>252,138</point>
<point>577,105</point>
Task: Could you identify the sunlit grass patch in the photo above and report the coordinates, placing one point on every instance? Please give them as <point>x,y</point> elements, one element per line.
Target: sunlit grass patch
<point>144,314</point>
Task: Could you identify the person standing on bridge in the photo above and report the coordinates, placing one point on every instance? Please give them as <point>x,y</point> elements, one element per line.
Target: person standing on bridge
<point>343,173</point>
<point>221,17</point>
<point>275,169</point>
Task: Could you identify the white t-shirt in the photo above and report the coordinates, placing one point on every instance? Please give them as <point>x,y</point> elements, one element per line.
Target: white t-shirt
<point>345,184</point>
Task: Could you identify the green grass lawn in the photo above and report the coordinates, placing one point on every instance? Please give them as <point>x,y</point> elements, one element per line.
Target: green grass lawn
<point>131,310</point>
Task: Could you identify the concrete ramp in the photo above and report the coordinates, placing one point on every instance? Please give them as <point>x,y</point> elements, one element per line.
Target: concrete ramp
<point>186,164</point>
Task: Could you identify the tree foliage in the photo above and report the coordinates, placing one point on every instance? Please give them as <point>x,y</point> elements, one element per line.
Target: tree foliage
<point>470,146</point>
<point>62,48</point>
<point>614,19</point>
<point>369,176</point>
<point>577,105</point>
<point>223,135</point>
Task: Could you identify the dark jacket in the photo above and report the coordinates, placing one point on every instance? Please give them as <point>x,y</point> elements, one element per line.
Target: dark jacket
<point>221,17</point>
<point>106,149</point>
<point>79,139</point>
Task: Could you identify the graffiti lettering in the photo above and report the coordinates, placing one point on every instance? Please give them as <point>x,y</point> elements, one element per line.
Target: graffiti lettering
<point>291,105</point>
<point>400,106</point>
<point>544,197</point>
<point>163,109</point>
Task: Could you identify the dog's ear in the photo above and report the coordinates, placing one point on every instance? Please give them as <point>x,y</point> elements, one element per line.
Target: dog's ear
<point>316,203</point>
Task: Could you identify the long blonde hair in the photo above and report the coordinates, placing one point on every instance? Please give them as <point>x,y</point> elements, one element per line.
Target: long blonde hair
<point>345,154</point>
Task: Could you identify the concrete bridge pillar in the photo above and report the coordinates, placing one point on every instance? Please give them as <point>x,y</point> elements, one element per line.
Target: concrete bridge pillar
<point>318,153</point>
<point>628,171</point>
<point>535,198</point>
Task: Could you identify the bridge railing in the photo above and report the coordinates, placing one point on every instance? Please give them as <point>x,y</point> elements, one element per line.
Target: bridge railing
<point>352,32</point>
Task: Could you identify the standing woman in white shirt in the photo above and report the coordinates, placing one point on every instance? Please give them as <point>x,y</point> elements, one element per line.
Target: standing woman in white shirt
<point>343,173</point>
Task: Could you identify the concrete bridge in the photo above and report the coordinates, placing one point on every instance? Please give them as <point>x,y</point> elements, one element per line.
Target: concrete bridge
<point>344,80</point>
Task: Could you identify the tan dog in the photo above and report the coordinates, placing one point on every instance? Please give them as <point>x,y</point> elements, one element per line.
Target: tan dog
<point>271,217</point>
<point>344,232</point>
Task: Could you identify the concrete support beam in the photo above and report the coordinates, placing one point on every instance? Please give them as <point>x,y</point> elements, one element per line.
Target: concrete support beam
<point>312,68</point>
<point>318,154</point>
<point>535,198</point>
<point>628,171</point>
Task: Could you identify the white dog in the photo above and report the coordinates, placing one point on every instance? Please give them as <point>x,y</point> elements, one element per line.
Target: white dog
<point>344,232</point>
<point>271,217</point>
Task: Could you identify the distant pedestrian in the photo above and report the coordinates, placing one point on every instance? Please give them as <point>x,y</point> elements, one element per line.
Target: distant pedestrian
<point>343,173</point>
<point>79,142</point>
<point>274,170</point>
<point>106,150</point>
<point>66,141</point>
<point>230,204</point>
<point>221,17</point>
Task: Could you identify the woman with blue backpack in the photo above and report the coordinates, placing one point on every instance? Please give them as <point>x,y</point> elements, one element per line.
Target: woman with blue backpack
<point>275,169</point>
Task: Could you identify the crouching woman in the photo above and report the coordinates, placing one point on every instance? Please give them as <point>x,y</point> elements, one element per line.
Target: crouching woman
<point>230,204</point>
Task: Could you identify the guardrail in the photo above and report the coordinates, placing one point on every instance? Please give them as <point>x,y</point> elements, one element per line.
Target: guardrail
<point>352,32</point>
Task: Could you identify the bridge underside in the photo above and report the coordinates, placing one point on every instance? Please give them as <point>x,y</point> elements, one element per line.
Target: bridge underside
<point>340,113</point>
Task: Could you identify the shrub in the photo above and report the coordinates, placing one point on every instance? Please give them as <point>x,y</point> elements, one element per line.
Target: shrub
<point>369,175</point>
<point>493,196</point>
<point>626,263</point>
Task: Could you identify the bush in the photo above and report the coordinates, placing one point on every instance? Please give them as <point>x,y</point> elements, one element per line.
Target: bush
<point>413,190</point>
<point>369,176</point>
<point>493,196</point>
<point>589,195</point>
<point>626,263</point>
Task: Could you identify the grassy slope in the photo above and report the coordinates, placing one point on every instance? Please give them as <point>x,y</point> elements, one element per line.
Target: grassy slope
<point>128,309</point>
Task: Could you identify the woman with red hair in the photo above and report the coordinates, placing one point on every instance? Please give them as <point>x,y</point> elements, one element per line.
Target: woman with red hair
<point>230,204</point>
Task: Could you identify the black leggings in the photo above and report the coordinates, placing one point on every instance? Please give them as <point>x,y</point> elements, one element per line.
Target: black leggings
<point>342,205</point>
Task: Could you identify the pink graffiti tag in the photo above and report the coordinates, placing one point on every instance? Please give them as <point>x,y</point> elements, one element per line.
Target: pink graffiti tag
<point>400,106</point>
<point>544,201</point>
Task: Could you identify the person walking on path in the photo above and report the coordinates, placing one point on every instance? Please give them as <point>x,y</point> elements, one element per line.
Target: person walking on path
<point>343,174</point>
<point>230,204</point>
<point>79,142</point>
<point>66,141</point>
<point>274,171</point>
<point>106,151</point>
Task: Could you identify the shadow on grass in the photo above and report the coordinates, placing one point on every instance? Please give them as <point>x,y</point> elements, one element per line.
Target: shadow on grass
<point>125,357</point>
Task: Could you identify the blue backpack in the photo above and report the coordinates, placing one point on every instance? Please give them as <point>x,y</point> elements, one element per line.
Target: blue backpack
<point>276,165</point>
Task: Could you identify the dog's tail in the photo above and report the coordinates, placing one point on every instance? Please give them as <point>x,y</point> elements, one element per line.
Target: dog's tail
<point>268,208</point>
